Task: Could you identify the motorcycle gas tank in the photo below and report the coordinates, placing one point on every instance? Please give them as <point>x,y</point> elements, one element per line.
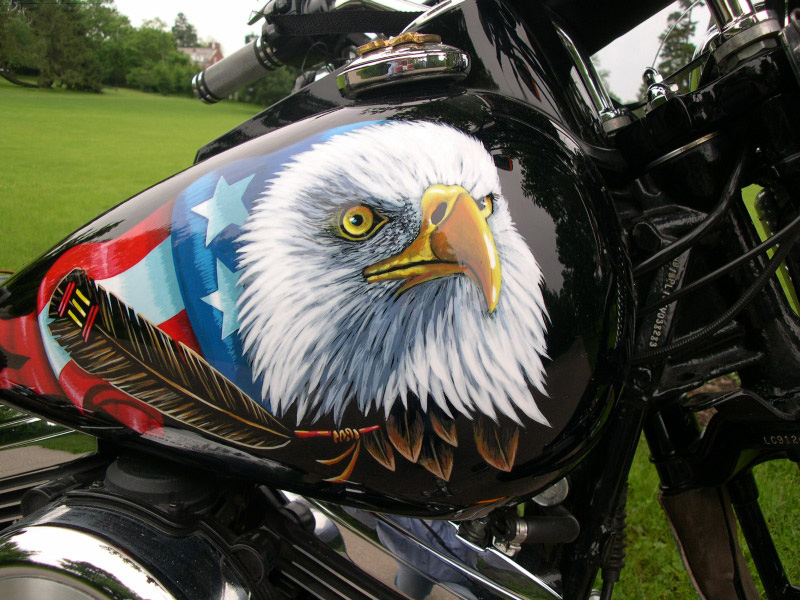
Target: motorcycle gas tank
<point>417,309</point>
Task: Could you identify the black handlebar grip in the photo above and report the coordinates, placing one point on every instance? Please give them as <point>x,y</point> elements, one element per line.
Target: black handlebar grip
<point>244,66</point>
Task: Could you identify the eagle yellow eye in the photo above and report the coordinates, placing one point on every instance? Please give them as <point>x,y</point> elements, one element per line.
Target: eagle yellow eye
<point>486,205</point>
<point>359,222</point>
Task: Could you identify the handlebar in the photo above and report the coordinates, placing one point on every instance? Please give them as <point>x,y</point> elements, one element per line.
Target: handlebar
<point>301,32</point>
<point>244,66</point>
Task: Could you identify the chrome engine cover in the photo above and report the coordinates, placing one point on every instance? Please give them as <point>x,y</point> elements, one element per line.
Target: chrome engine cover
<point>88,553</point>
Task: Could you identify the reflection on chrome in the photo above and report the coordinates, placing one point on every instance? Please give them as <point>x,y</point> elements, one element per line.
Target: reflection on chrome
<point>71,564</point>
<point>390,5</point>
<point>422,558</point>
<point>729,15</point>
<point>611,118</point>
<point>412,62</point>
<point>106,553</point>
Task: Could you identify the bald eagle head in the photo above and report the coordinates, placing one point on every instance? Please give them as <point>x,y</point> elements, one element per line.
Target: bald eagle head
<point>383,265</point>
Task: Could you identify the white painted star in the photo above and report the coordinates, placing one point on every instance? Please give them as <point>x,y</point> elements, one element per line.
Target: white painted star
<point>224,299</point>
<point>224,207</point>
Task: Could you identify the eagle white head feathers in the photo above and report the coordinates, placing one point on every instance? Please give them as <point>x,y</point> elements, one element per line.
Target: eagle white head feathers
<point>383,265</point>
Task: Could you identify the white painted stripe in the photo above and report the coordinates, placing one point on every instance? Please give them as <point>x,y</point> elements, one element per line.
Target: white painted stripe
<point>150,287</point>
<point>57,356</point>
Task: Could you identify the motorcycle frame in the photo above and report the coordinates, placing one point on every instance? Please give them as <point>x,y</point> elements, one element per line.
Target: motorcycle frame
<point>749,427</point>
<point>653,400</point>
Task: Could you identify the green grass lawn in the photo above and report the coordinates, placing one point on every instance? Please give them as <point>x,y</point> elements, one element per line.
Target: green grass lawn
<point>68,156</point>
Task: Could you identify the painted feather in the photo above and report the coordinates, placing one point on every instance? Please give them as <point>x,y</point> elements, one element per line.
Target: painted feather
<point>497,444</point>
<point>379,448</point>
<point>106,338</point>
<point>437,457</point>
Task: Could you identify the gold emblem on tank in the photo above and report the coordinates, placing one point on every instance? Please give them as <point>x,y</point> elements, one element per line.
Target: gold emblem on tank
<point>409,37</point>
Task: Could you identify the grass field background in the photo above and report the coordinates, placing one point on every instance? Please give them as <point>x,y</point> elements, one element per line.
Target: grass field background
<point>65,157</point>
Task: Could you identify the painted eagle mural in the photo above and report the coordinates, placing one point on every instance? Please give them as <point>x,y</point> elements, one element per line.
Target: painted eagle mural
<point>375,278</point>
<point>381,269</point>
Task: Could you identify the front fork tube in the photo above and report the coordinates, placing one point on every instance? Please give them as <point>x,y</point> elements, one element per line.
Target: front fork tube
<point>744,493</point>
<point>701,519</point>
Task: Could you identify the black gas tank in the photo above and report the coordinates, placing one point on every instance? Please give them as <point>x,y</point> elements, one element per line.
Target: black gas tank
<point>418,308</point>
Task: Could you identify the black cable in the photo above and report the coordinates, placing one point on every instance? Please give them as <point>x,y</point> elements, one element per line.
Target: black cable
<point>784,233</point>
<point>728,315</point>
<point>678,246</point>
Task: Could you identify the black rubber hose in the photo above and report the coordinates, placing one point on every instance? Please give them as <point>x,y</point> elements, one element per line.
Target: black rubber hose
<point>553,529</point>
<point>780,236</point>
<point>678,246</point>
<point>755,287</point>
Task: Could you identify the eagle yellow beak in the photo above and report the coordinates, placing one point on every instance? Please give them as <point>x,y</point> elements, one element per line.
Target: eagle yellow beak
<point>454,238</point>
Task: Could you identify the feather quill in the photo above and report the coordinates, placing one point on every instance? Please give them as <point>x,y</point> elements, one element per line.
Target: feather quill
<point>106,338</point>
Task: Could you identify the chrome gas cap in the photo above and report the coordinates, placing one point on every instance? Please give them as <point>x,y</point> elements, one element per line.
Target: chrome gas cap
<point>401,59</point>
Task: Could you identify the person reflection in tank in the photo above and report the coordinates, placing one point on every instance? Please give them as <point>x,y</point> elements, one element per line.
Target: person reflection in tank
<point>416,579</point>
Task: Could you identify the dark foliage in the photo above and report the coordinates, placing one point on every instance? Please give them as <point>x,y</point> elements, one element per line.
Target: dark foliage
<point>85,45</point>
<point>184,32</point>
<point>270,88</point>
<point>677,47</point>
<point>57,40</point>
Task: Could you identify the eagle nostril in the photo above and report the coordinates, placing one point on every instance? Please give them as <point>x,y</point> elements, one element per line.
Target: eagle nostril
<point>439,213</point>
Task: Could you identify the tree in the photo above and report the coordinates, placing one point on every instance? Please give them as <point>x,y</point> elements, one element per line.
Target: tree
<point>17,41</point>
<point>66,47</point>
<point>270,88</point>
<point>184,32</point>
<point>154,62</point>
<point>59,41</point>
<point>112,29</point>
<point>155,23</point>
<point>677,48</point>
<point>85,44</point>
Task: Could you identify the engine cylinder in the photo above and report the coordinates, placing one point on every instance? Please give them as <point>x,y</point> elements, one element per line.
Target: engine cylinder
<point>107,553</point>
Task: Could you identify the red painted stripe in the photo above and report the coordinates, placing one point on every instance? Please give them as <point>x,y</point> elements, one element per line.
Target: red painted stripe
<point>67,295</point>
<point>180,330</point>
<point>324,433</point>
<point>91,394</point>
<point>89,322</point>
<point>21,336</point>
<point>102,260</point>
<point>309,434</point>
